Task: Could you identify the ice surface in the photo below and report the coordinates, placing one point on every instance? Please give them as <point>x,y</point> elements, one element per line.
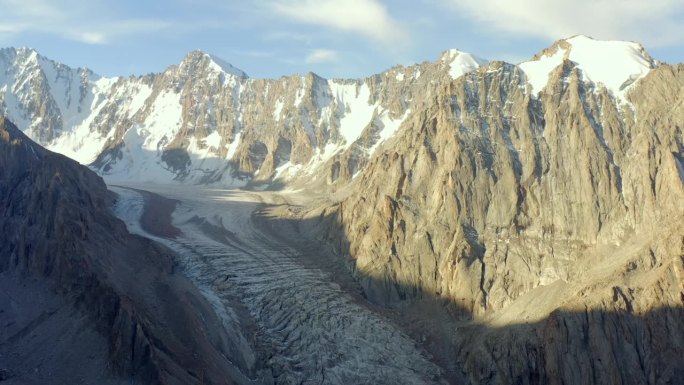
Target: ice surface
<point>537,71</point>
<point>287,169</point>
<point>278,109</point>
<point>213,140</point>
<point>460,63</point>
<point>315,331</point>
<point>164,120</point>
<point>137,162</point>
<point>614,64</point>
<point>358,112</point>
<point>232,147</point>
<point>389,127</point>
<point>226,67</point>
<point>137,96</point>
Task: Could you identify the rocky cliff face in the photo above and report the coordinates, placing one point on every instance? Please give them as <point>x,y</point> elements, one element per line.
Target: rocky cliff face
<point>56,227</point>
<point>204,121</point>
<point>550,222</point>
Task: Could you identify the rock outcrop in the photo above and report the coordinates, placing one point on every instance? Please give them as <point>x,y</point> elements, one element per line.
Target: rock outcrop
<point>57,229</point>
<point>550,224</point>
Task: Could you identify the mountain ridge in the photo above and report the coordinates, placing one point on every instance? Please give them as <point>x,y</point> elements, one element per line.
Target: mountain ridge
<point>205,121</point>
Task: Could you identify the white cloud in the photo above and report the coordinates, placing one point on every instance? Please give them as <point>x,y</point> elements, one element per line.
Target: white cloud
<point>651,22</point>
<point>91,22</point>
<point>321,56</point>
<point>368,18</point>
<point>33,8</point>
<point>6,28</point>
<point>91,37</point>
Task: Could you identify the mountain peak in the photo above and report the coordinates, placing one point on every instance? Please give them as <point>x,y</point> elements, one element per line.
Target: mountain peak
<point>24,54</point>
<point>579,37</point>
<point>461,62</point>
<point>198,58</point>
<point>615,64</point>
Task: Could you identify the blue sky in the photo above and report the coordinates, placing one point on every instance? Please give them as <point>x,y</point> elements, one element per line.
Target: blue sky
<point>333,38</point>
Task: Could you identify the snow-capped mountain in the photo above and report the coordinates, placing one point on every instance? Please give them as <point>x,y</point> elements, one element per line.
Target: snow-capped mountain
<point>205,121</point>
<point>52,103</point>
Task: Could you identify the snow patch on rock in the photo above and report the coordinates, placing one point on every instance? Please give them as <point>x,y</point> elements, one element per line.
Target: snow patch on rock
<point>460,63</point>
<point>614,64</point>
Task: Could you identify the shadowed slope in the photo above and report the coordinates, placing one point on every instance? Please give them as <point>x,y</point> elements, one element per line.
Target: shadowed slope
<point>56,227</point>
<point>620,326</point>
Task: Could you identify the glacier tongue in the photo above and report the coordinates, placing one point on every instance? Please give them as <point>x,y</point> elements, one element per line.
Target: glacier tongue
<point>314,332</point>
